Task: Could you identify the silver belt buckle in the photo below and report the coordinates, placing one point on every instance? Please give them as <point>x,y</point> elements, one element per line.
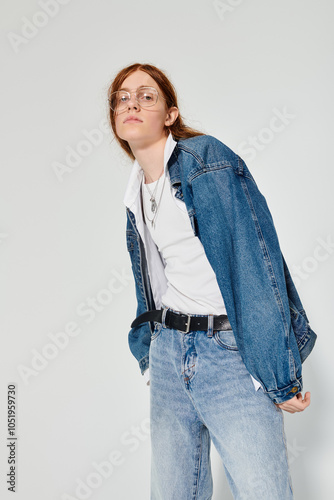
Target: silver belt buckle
<point>187,324</point>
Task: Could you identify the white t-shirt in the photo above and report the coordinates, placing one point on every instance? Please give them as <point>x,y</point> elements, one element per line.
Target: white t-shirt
<point>192,287</point>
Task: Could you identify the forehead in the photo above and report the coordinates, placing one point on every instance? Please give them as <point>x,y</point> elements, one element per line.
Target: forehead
<point>137,79</point>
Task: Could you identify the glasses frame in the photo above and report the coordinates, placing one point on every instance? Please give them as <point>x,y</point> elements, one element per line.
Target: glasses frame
<point>135,92</point>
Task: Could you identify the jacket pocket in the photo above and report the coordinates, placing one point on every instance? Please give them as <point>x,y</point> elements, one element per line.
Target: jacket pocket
<point>225,339</point>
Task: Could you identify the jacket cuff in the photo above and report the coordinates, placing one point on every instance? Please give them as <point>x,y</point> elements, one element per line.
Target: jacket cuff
<point>282,395</point>
<point>143,364</point>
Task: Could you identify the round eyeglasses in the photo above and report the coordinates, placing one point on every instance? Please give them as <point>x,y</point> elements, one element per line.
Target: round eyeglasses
<point>145,97</point>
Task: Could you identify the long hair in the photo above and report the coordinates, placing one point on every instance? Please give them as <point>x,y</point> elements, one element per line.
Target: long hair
<point>178,129</point>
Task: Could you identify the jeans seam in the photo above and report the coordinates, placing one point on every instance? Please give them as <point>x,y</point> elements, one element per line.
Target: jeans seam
<point>196,485</point>
<point>286,453</point>
<point>186,379</point>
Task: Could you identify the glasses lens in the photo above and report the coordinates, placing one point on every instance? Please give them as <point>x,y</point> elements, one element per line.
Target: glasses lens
<point>147,96</point>
<point>119,100</point>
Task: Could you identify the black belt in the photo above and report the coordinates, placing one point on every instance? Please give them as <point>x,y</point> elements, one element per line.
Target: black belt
<point>184,322</point>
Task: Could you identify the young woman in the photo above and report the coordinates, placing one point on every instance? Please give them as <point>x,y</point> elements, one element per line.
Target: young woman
<point>220,325</point>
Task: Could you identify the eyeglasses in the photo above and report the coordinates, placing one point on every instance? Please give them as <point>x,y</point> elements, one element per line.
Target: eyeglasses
<point>145,97</point>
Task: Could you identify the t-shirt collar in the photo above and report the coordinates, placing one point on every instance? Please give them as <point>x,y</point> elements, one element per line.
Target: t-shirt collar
<point>136,175</point>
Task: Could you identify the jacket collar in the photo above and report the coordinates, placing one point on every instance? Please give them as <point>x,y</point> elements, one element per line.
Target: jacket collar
<point>136,176</point>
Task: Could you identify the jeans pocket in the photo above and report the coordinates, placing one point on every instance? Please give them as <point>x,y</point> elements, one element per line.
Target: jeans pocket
<point>225,339</point>
<point>156,331</point>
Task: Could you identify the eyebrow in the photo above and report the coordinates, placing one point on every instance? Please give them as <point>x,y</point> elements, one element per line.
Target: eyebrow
<point>141,86</point>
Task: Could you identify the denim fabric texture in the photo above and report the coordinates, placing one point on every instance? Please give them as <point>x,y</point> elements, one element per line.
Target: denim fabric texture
<point>231,218</point>
<point>201,393</point>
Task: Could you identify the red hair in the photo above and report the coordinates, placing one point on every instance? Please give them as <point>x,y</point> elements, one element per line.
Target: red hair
<point>178,129</point>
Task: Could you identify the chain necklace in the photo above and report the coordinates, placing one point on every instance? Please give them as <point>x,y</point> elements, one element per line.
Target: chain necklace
<point>154,204</point>
<point>152,196</point>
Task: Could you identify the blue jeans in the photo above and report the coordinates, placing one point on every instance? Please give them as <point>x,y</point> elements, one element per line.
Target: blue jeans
<point>200,390</point>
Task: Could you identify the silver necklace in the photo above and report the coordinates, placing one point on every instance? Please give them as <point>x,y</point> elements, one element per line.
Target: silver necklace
<point>152,196</point>
<point>154,204</point>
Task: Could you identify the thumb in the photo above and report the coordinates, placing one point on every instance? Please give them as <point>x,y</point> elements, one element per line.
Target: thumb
<point>307,397</point>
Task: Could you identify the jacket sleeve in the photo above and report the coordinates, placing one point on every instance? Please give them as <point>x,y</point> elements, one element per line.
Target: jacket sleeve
<point>239,237</point>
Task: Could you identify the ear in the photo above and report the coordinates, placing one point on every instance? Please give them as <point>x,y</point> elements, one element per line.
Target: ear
<point>172,114</point>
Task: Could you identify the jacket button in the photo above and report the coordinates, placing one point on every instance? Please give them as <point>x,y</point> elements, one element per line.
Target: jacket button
<point>294,389</point>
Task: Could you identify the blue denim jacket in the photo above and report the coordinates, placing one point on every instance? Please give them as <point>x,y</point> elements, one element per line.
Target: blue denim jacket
<point>233,222</point>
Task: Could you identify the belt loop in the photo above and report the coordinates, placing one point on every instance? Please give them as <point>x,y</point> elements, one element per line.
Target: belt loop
<point>164,312</point>
<point>210,325</point>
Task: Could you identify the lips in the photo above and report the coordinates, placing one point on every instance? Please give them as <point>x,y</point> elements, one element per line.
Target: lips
<point>132,119</point>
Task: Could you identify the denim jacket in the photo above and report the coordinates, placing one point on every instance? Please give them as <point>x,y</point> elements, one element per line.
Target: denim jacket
<point>233,222</point>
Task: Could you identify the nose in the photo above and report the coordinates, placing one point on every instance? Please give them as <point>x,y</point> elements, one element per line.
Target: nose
<point>133,101</point>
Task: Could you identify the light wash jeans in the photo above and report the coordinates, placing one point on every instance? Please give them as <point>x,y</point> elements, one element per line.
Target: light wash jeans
<point>200,391</point>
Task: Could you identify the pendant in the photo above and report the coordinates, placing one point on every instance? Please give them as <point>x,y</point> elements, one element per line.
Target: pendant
<point>153,204</point>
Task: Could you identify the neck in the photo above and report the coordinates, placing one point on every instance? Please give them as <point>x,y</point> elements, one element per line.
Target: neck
<point>151,158</point>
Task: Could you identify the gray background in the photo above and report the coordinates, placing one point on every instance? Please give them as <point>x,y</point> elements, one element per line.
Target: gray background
<point>62,236</point>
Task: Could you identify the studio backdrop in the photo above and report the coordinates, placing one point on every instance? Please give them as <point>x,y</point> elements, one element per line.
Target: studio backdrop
<point>258,75</point>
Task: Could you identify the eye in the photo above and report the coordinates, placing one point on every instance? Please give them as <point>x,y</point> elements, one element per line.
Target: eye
<point>146,95</point>
<point>122,98</point>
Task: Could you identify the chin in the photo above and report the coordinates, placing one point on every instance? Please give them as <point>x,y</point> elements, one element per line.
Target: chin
<point>132,135</point>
